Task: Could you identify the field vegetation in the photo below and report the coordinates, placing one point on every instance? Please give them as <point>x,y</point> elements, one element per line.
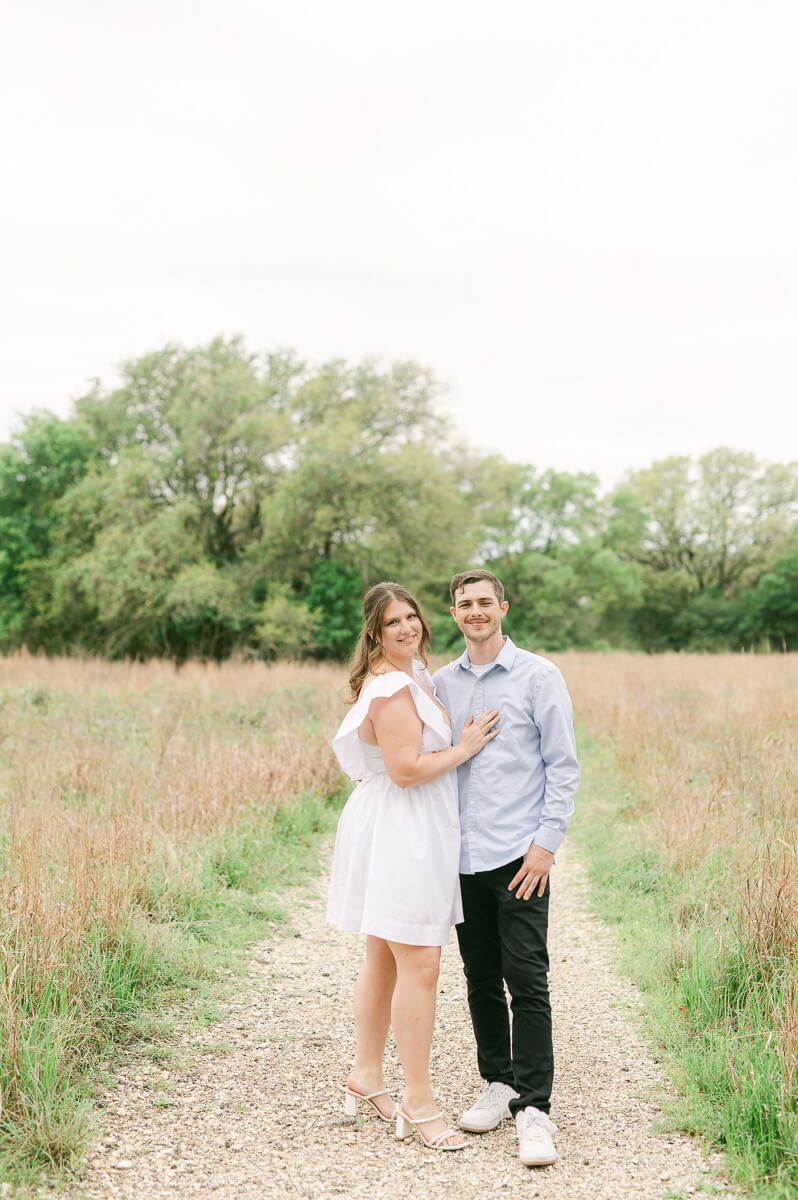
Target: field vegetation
<point>151,817</point>
<point>688,818</point>
<point>150,821</point>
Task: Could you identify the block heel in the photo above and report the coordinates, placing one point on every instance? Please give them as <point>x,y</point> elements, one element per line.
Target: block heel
<point>351,1098</point>
<point>406,1127</point>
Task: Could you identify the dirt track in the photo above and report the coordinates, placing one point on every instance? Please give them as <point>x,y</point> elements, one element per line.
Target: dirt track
<point>262,1116</point>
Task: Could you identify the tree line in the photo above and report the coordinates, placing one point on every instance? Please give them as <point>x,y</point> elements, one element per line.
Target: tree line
<point>218,501</point>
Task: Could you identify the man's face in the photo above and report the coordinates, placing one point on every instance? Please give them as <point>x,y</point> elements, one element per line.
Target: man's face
<point>477,611</point>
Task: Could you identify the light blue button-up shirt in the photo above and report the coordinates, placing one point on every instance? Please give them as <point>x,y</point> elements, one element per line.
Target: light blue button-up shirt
<point>520,788</point>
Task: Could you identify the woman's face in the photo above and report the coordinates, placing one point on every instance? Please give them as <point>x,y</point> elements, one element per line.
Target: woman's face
<point>401,630</point>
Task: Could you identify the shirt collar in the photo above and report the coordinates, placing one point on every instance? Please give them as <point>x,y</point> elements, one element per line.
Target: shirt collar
<point>505,658</point>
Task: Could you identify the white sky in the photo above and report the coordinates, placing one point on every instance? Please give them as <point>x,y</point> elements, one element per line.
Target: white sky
<point>582,216</point>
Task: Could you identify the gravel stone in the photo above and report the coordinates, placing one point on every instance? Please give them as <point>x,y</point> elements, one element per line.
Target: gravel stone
<point>262,1117</point>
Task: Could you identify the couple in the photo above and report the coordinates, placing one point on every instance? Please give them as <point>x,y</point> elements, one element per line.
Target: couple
<point>465,791</point>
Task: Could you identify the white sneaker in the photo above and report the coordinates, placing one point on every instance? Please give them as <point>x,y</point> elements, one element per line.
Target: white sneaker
<point>535,1144</point>
<point>490,1109</point>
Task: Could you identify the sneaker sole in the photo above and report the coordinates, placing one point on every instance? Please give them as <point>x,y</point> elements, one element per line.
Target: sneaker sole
<point>482,1128</point>
<point>538,1162</point>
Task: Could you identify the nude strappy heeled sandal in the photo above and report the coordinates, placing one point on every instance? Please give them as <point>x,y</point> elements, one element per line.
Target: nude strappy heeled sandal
<point>406,1127</point>
<point>351,1098</point>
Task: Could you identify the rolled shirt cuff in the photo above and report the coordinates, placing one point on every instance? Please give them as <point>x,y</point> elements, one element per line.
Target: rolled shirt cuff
<point>549,839</point>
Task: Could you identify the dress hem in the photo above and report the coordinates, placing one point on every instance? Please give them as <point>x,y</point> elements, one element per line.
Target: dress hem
<point>428,935</point>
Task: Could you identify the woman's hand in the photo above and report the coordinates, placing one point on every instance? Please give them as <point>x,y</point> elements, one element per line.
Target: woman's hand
<point>477,734</point>
<point>399,731</point>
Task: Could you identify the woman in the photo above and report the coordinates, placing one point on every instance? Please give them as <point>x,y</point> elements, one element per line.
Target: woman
<point>395,871</point>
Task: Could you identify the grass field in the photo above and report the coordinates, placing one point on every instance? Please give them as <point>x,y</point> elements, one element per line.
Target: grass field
<point>149,821</point>
<point>151,817</point>
<point>688,819</point>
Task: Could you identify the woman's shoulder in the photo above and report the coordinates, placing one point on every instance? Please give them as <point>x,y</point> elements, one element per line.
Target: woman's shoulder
<point>385,682</point>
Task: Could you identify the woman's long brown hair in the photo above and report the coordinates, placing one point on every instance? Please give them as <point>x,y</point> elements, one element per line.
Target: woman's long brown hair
<point>369,649</point>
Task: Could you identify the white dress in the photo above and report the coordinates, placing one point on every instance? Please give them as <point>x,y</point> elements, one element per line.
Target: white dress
<point>397,850</point>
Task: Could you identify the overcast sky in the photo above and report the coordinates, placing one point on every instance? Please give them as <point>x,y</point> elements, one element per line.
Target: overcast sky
<point>581,216</point>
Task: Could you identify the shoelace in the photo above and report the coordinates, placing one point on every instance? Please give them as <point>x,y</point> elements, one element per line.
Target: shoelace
<point>492,1094</point>
<point>534,1128</point>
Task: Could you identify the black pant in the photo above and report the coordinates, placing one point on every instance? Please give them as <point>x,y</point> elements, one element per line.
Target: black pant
<point>504,939</point>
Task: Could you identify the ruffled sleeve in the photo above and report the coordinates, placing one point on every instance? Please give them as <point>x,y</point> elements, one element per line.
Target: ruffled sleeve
<point>347,744</point>
<point>426,678</point>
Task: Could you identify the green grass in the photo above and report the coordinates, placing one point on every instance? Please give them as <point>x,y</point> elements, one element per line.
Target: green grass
<point>176,939</point>
<point>711,999</point>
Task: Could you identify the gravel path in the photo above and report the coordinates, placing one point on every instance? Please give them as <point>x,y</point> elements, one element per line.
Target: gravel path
<point>261,1116</point>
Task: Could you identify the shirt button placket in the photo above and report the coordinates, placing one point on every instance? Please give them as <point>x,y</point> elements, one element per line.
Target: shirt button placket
<point>479,708</point>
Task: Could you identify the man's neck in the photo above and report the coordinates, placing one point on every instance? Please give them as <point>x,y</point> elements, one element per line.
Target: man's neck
<point>482,653</point>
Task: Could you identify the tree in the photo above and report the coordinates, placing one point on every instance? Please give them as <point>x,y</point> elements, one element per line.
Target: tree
<point>710,620</point>
<point>716,526</point>
<point>218,501</point>
<point>122,586</point>
<point>37,467</point>
<point>218,480</point>
<point>209,425</point>
<point>287,627</point>
<point>542,513</point>
<point>565,585</point>
<point>583,596</point>
<point>712,528</point>
<point>373,482</point>
<point>770,610</point>
<point>334,592</point>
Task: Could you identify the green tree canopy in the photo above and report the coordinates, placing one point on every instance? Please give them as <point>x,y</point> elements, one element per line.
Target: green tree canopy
<point>701,533</point>
<point>213,493</point>
<point>715,525</point>
<point>37,467</point>
<point>216,501</point>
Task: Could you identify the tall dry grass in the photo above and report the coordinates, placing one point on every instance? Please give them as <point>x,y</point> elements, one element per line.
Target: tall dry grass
<point>707,748</point>
<point>114,781</point>
<point>106,767</point>
<point>691,789</point>
<point>123,787</point>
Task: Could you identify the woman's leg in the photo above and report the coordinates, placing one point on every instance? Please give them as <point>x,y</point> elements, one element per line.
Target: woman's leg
<point>373,992</point>
<point>413,1018</point>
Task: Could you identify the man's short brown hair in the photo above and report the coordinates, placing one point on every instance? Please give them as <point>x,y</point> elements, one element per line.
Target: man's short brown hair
<point>466,577</point>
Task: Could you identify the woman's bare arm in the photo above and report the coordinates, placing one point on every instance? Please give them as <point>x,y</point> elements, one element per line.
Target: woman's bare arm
<point>398,728</point>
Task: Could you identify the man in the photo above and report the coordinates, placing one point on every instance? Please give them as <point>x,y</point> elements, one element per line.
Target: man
<point>516,800</point>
